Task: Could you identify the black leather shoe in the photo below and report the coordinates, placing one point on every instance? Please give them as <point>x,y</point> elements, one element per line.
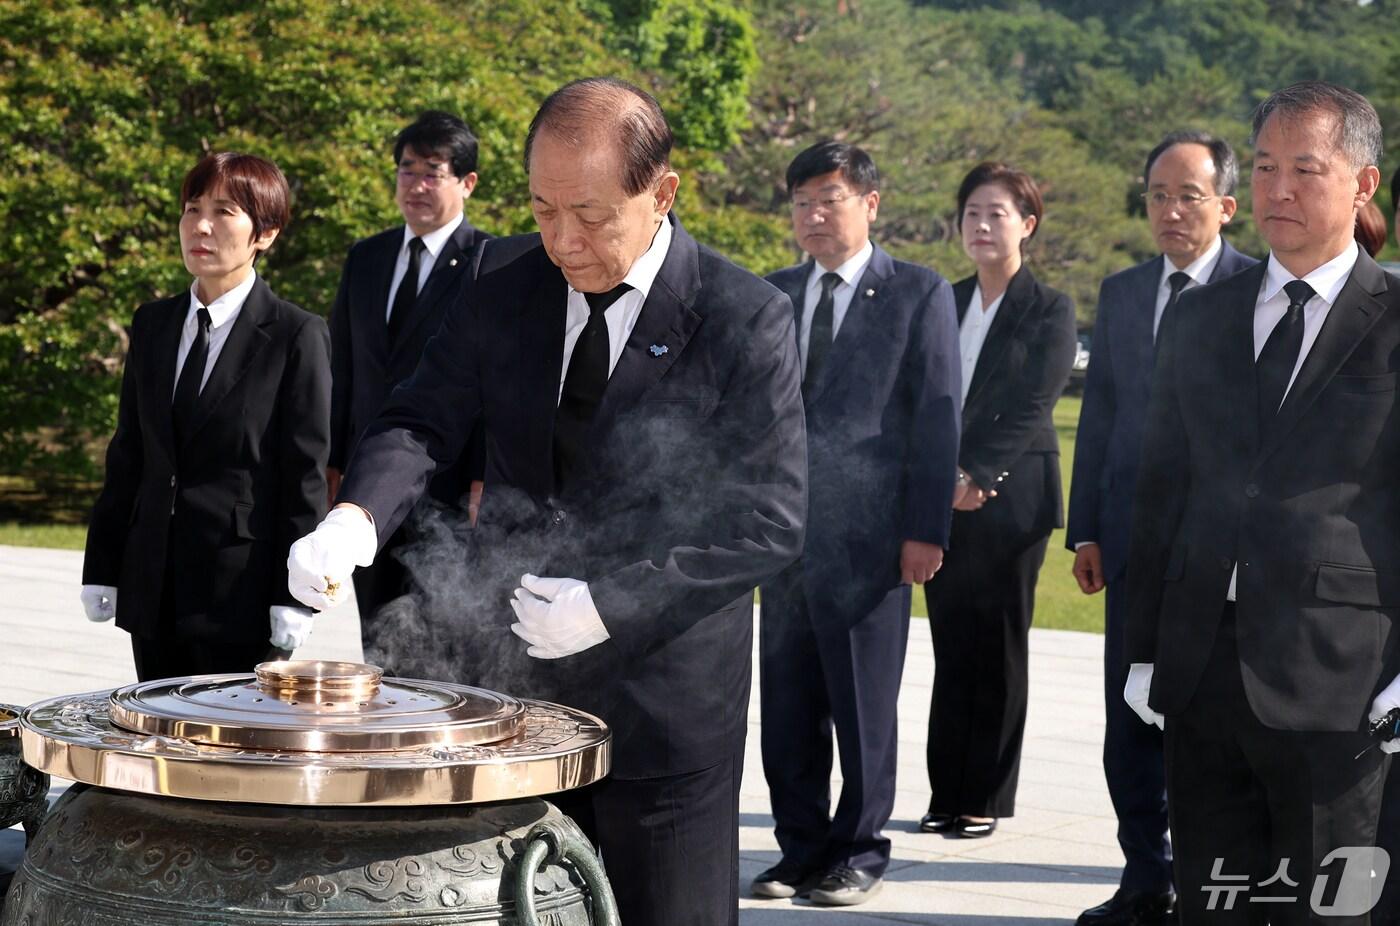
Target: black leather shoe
<point>784,880</point>
<point>845,887</point>
<point>970,829</point>
<point>1132,908</point>
<point>936,822</point>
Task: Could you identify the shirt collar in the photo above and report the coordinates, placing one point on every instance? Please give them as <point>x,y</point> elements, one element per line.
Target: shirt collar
<point>434,240</point>
<point>1327,281</point>
<point>226,306</point>
<point>1199,270</point>
<point>850,271</point>
<point>645,268</point>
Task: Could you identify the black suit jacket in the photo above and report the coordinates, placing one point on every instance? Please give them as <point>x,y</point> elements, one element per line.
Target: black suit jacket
<point>364,369</point>
<point>1310,510</point>
<point>1009,442</point>
<point>882,433</point>
<point>691,492</point>
<point>214,517</point>
<point>1116,389</point>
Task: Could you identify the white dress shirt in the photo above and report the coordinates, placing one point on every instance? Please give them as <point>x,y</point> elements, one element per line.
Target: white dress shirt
<point>972,334</point>
<point>433,243</point>
<point>1199,270</point>
<point>222,312</point>
<point>1327,282</point>
<point>621,317</point>
<point>850,273</point>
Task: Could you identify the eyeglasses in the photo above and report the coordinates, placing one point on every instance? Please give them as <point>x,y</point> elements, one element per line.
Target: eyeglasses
<point>431,180</point>
<point>1186,202</point>
<point>826,204</point>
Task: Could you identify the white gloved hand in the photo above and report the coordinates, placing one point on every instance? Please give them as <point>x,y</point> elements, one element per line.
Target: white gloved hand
<point>319,565</point>
<point>1385,702</point>
<point>1135,692</point>
<point>99,602</point>
<point>557,617</point>
<point>291,627</point>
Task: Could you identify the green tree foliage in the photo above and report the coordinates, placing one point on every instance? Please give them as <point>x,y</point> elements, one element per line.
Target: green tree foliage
<point>105,106</point>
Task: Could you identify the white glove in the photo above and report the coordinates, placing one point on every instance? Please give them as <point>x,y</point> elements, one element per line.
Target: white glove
<point>1385,702</point>
<point>557,617</point>
<point>319,565</point>
<point>291,627</point>
<point>100,602</point>
<point>1136,690</point>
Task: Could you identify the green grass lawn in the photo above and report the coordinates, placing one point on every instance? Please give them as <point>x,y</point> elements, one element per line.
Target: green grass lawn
<point>1058,601</point>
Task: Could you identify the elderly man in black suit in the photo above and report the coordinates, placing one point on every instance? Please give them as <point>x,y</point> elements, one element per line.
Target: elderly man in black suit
<point>646,469</point>
<point>878,342</point>
<point>1262,589</point>
<point>394,290</point>
<point>1190,198</point>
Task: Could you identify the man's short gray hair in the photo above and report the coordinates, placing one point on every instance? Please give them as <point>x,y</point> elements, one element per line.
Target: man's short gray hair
<point>1360,126</point>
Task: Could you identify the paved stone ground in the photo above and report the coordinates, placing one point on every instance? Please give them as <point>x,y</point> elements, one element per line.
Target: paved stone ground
<point>1056,857</point>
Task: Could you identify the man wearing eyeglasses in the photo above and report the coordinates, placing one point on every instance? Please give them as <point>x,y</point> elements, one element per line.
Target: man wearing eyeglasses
<point>393,292</point>
<point>877,340</point>
<point>1190,177</point>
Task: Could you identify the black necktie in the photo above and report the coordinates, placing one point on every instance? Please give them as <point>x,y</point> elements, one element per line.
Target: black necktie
<point>407,293</point>
<point>1177,282</point>
<point>819,336</point>
<point>584,383</point>
<point>1274,368</point>
<point>191,378</point>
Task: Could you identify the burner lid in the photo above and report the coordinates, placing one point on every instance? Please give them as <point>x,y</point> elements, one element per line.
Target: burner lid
<point>316,707</point>
<point>9,721</point>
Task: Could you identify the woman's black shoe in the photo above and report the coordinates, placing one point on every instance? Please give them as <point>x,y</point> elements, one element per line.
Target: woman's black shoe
<point>937,822</point>
<point>975,829</point>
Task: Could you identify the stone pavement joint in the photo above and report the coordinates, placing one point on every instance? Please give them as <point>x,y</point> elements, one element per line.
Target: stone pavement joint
<point>1056,857</point>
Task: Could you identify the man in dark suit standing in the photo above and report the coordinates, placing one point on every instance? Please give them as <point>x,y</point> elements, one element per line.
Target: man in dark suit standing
<point>380,324</point>
<point>1262,591</point>
<point>1191,179</point>
<point>878,341</point>
<point>646,469</point>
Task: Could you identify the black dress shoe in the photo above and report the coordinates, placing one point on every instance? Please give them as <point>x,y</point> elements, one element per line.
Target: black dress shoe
<point>845,887</point>
<point>1132,908</point>
<point>975,829</point>
<point>784,880</point>
<point>936,822</point>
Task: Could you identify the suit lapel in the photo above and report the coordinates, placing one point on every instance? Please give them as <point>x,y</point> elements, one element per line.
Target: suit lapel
<point>160,373</point>
<point>1355,312</point>
<point>443,280</point>
<point>1020,293</point>
<point>858,325</point>
<point>540,360</point>
<point>666,323</point>
<point>246,339</point>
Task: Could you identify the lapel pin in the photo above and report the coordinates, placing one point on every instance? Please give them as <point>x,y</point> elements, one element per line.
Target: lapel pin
<point>658,349</point>
<point>869,293</point>
<point>452,262</point>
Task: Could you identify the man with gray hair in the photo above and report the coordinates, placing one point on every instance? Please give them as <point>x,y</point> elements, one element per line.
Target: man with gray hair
<point>646,469</point>
<point>1262,585</point>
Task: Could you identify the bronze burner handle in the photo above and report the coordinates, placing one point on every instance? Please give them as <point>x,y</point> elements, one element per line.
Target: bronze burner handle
<point>548,842</point>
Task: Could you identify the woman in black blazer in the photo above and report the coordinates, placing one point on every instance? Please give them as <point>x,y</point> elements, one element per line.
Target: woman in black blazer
<point>218,461</point>
<point>1017,342</point>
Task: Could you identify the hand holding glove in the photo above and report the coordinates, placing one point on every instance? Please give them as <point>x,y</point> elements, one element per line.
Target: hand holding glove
<point>291,627</point>
<point>99,602</point>
<point>1135,692</point>
<point>1385,702</point>
<point>557,617</point>
<point>319,565</point>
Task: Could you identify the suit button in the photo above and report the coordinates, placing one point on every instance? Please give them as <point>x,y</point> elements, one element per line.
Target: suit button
<point>1226,562</point>
<point>557,516</point>
<point>1251,491</point>
<point>172,482</point>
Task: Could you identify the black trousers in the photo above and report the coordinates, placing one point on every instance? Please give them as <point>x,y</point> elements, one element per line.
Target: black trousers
<point>1246,801</point>
<point>670,845</point>
<point>174,657</point>
<point>980,607</point>
<point>818,671</point>
<point>1134,766</point>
